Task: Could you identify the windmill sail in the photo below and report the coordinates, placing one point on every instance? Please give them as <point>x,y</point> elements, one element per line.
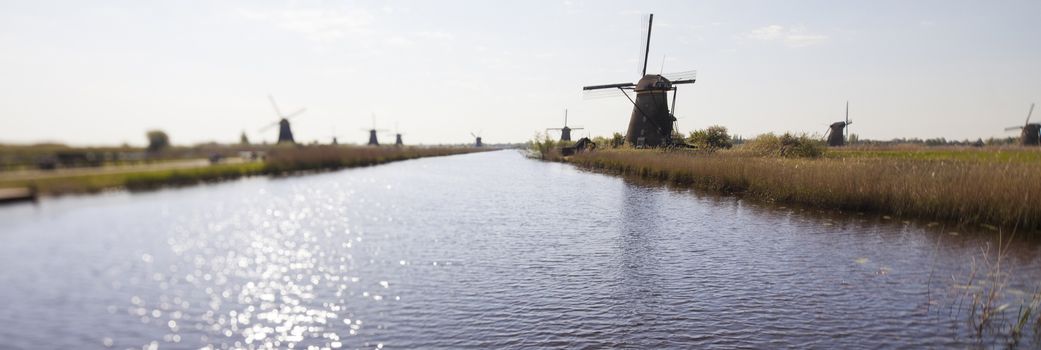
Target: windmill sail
<point>651,124</point>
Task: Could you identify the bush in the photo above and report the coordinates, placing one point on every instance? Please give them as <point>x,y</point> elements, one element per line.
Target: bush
<point>713,138</point>
<point>787,146</point>
<point>617,140</point>
<point>157,140</point>
<point>545,148</point>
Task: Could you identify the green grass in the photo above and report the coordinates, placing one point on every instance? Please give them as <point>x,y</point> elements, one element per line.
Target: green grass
<point>281,161</point>
<point>990,154</point>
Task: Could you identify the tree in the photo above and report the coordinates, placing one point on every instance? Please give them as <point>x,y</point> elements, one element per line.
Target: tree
<point>617,140</point>
<point>157,140</point>
<point>714,137</point>
<point>243,139</point>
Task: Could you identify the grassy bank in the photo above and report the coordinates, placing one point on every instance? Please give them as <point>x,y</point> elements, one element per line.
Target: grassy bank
<point>981,188</point>
<point>280,161</point>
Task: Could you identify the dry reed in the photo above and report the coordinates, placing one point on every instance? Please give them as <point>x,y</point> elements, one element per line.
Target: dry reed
<point>965,191</point>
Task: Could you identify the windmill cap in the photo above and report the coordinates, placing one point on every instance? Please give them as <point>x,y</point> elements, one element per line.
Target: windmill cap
<point>653,82</point>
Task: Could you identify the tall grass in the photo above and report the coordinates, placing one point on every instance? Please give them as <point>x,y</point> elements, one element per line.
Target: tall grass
<point>984,301</point>
<point>985,192</point>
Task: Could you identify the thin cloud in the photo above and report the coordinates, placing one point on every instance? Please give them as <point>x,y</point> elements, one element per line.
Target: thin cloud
<point>321,25</point>
<point>791,37</point>
<point>437,35</point>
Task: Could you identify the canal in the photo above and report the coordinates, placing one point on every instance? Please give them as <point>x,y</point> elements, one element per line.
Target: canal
<point>491,250</point>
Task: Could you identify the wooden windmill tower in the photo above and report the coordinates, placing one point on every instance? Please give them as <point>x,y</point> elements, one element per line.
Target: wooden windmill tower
<point>285,134</point>
<point>838,131</point>
<point>565,132</point>
<point>477,139</point>
<point>373,139</point>
<point>1031,132</point>
<point>651,124</point>
<point>397,136</point>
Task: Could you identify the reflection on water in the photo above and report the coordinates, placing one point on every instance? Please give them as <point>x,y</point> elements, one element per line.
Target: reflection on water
<point>484,250</point>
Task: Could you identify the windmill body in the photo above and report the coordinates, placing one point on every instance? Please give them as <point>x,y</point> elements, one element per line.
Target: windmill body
<point>835,134</point>
<point>397,140</point>
<point>837,131</point>
<point>373,140</point>
<point>565,132</point>
<point>477,140</point>
<point>651,123</point>
<point>285,134</point>
<point>1030,133</point>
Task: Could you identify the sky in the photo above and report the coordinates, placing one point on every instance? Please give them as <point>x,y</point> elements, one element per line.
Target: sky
<point>105,72</point>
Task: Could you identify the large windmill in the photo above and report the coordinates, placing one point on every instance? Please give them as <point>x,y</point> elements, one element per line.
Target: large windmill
<point>1031,132</point>
<point>285,134</point>
<point>477,139</point>
<point>838,132</point>
<point>651,124</point>
<point>373,139</point>
<point>565,132</point>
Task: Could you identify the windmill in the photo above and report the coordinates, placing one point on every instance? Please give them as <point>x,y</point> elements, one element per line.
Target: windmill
<point>397,136</point>
<point>1031,132</point>
<point>477,139</point>
<point>373,140</point>
<point>335,137</point>
<point>565,132</point>
<point>839,131</point>
<point>285,134</point>
<point>651,124</point>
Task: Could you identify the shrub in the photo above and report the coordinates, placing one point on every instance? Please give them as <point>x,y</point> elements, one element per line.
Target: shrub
<point>787,146</point>
<point>617,140</point>
<point>713,138</point>
<point>157,140</point>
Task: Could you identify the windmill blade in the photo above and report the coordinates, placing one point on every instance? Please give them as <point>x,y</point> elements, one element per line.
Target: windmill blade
<point>608,86</point>
<point>577,128</point>
<point>294,114</point>
<point>601,94</point>
<point>645,44</point>
<point>278,112</point>
<point>687,81</point>
<point>472,134</point>
<point>1029,114</point>
<point>1013,128</point>
<point>681,76</point>
<point>269,126</point>
<point>548,129</point>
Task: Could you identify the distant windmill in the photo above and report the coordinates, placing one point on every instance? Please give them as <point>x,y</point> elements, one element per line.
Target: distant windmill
<point>373,139</point>
<point>477,139</point>
<point>285,134</point>
<point>334,136</point>
<point>651,123</point>
<point>1031,132</point>
<point>838,131</point>
<point>397,136</point>
<point>565,132</point>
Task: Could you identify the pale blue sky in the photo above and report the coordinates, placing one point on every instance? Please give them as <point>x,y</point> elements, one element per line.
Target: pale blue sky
<point>104,72</point>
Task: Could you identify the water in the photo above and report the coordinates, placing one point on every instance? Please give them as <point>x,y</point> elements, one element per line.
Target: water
<point>486,250</point>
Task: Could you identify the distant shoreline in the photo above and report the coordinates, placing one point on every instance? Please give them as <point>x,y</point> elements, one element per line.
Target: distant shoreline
<point>288,160</point>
